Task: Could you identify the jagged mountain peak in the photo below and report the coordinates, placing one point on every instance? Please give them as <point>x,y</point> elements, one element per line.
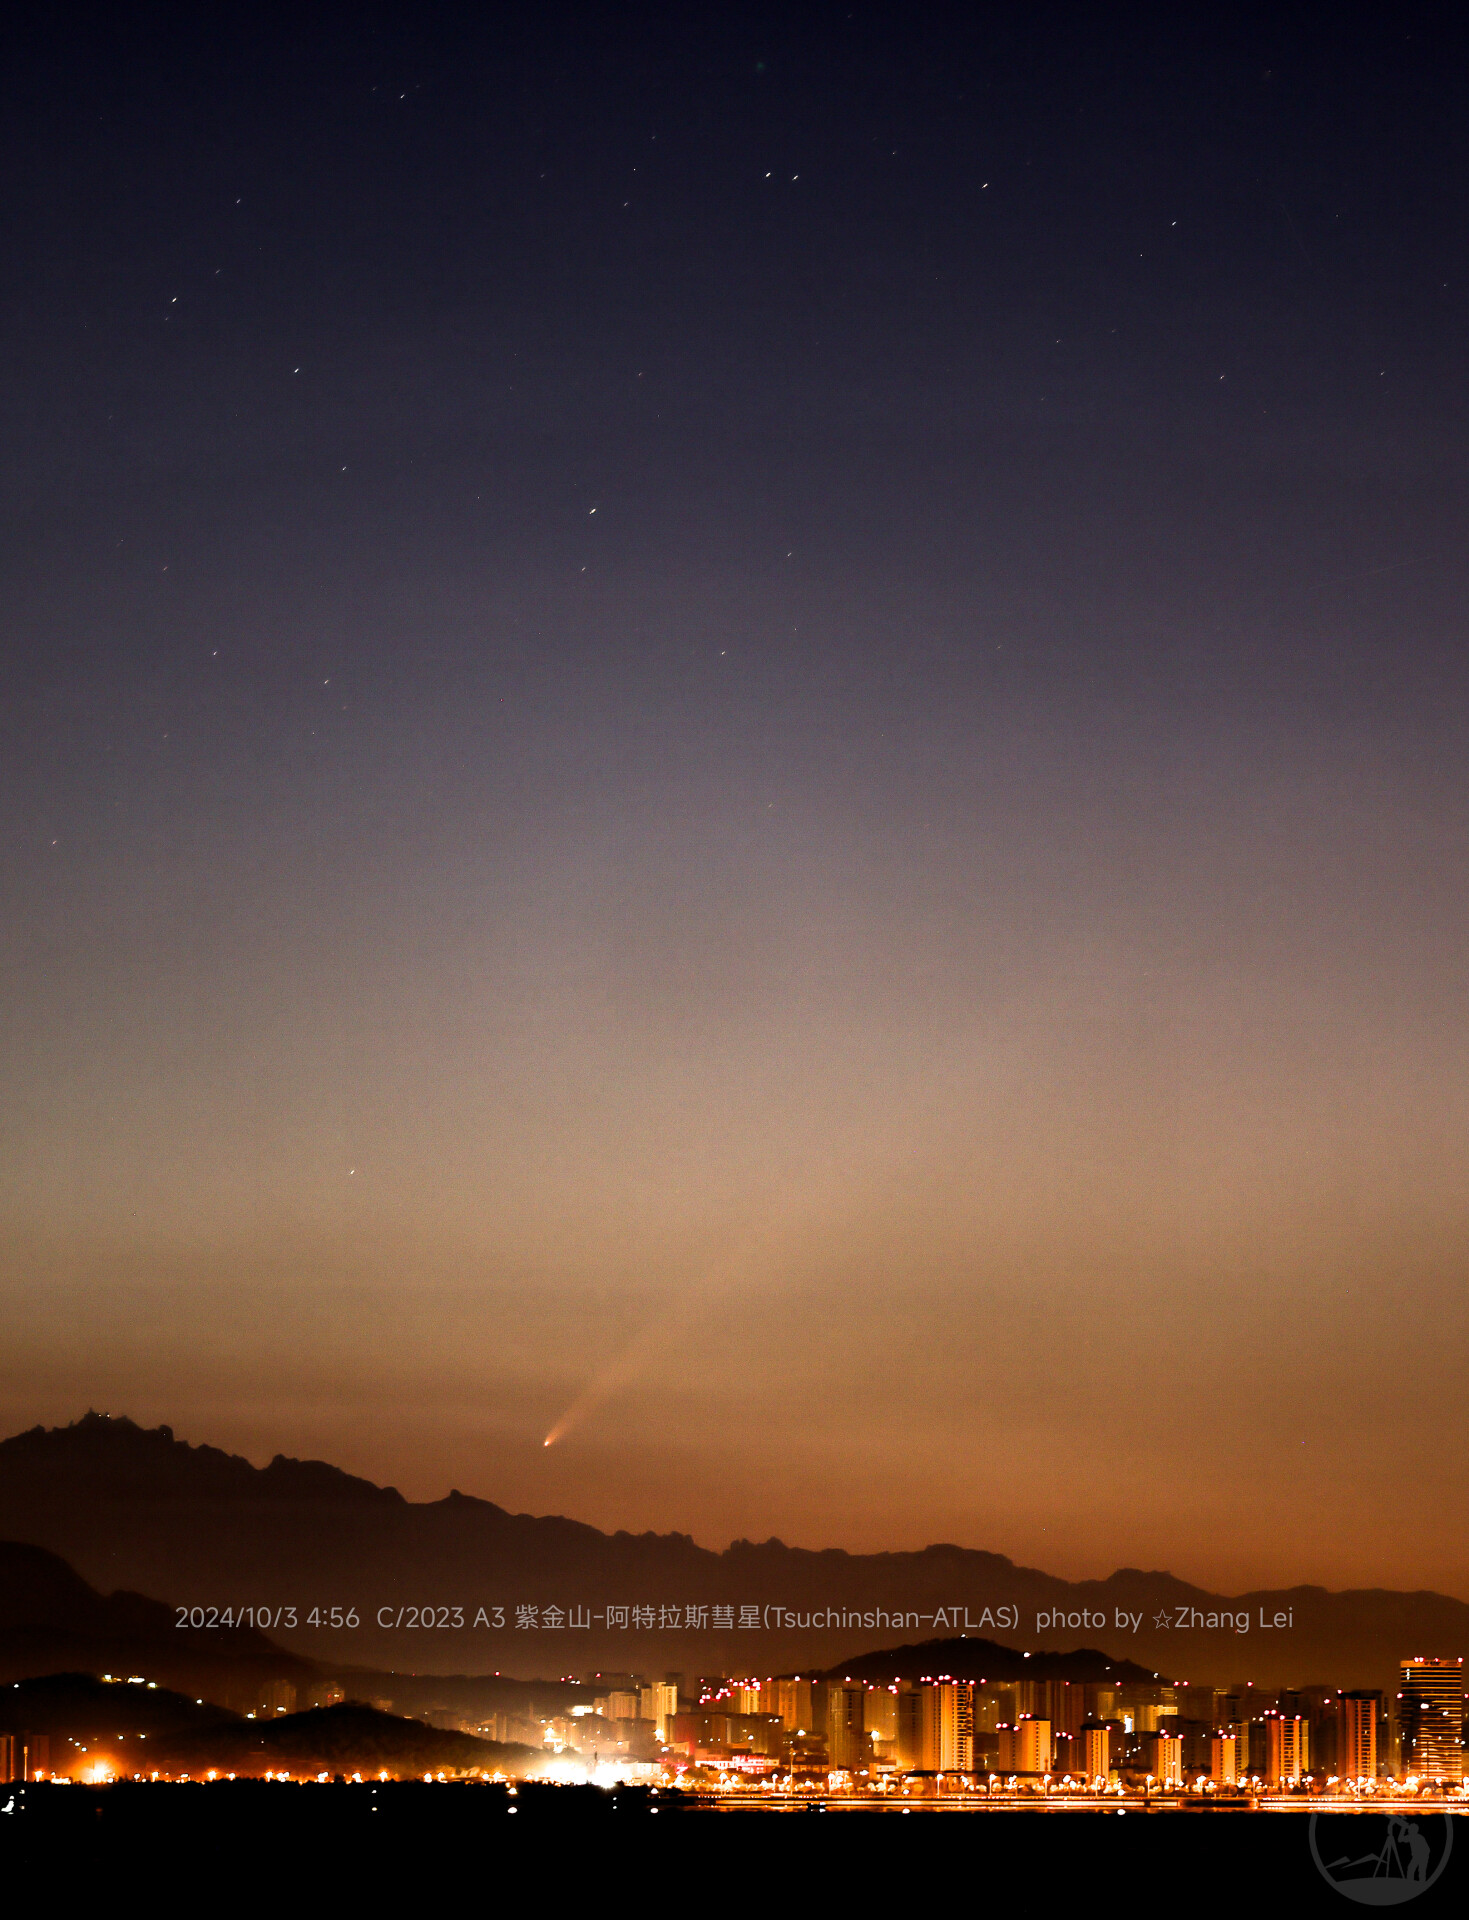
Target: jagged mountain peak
<point>114,1454</point>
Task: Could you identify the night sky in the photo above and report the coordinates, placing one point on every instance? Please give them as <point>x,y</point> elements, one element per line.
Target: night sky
<point>742,735</point>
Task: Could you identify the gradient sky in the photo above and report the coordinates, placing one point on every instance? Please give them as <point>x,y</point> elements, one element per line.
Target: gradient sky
<point>754,724</point>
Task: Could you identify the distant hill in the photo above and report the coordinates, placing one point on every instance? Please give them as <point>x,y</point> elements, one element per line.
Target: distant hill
<point>986,1660</point>
<point>142,1509</point>
<point>347,1738</point>
<point>59,1636</point>
<point>79,1706</point>
<point>52,1621</point>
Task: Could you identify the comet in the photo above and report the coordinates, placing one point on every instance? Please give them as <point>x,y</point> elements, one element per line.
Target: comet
<point>621,1369</point>
<point>803,1221</point>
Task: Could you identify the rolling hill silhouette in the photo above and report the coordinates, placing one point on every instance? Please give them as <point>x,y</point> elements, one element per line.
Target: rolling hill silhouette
<point>346,1738</point>
<point>52,1621</point>
<point>976,1659</point>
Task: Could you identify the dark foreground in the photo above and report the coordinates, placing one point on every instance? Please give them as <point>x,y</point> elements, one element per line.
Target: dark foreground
<point>302,1837</point>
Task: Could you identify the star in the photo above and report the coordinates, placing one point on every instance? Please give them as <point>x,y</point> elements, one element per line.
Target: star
<point>1160,1619</point>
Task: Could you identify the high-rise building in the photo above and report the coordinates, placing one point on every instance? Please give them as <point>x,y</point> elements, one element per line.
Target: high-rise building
<point>935,1727</point>
<point>1287,1748</point>
<point>1431,1709</point>
<point>1030,1699</point>
<point>880,1714</point>
<point>1096,1752</point>
<point>1026,1747</point>
<point>1147,1708</point>
<point>994,1707</point>
<point>798,1703</point>
<point>7,1758</point>
<point>1065,1706</point>
<point>1165,1757</point>
<point>1239,1730</point>
<point>909,1731</point>
<point>846,1742</point>
<point>1224,1760</point>
<point>953,1736</point>
<point>1321,1706</point>
<point>1356,1735</point>
<point>659,1703</point>
<point>1195,1703</point>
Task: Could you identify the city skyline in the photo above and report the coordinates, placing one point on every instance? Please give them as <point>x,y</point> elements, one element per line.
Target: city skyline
<point>931,1737</point>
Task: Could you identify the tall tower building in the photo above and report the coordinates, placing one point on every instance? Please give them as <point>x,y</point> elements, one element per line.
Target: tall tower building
<point>1287,1748</point>
<point>953,1710</point>
<point>935,1727</point>
<point>1165,1756</point>
<point>994,1707</point>
<point>796,1702</point>
<point>667,1707</point>
<point>1356,1735</point>
<point>1026,1747</point>
<point>846,1742</point>
<point>880,1714</point>
<point>909,1728</point>
<point>1224,1767</point>
<point>1431,1708</point>
<point>1096,1752</point>
<point>1031,1699</point>
<point>1065,1705</point>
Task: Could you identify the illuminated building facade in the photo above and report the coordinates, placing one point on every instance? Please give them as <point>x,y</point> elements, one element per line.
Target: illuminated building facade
<point>1165,1756</point>
<point>1065,1706</point>
<point>935,1727</point>
<point>953,1733</point>
<point>1096,1752</point>
<point>1431,1711</point>
<point>797,1703</point>
<point>1356,1735</point>
<point>1026,1747</point>
<point>1287,1748</point>
<point>846,1733</point>
<point>880,1715</point>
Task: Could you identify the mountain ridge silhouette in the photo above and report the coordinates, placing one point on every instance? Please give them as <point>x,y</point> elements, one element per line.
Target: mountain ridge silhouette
<point>137,1508</point>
